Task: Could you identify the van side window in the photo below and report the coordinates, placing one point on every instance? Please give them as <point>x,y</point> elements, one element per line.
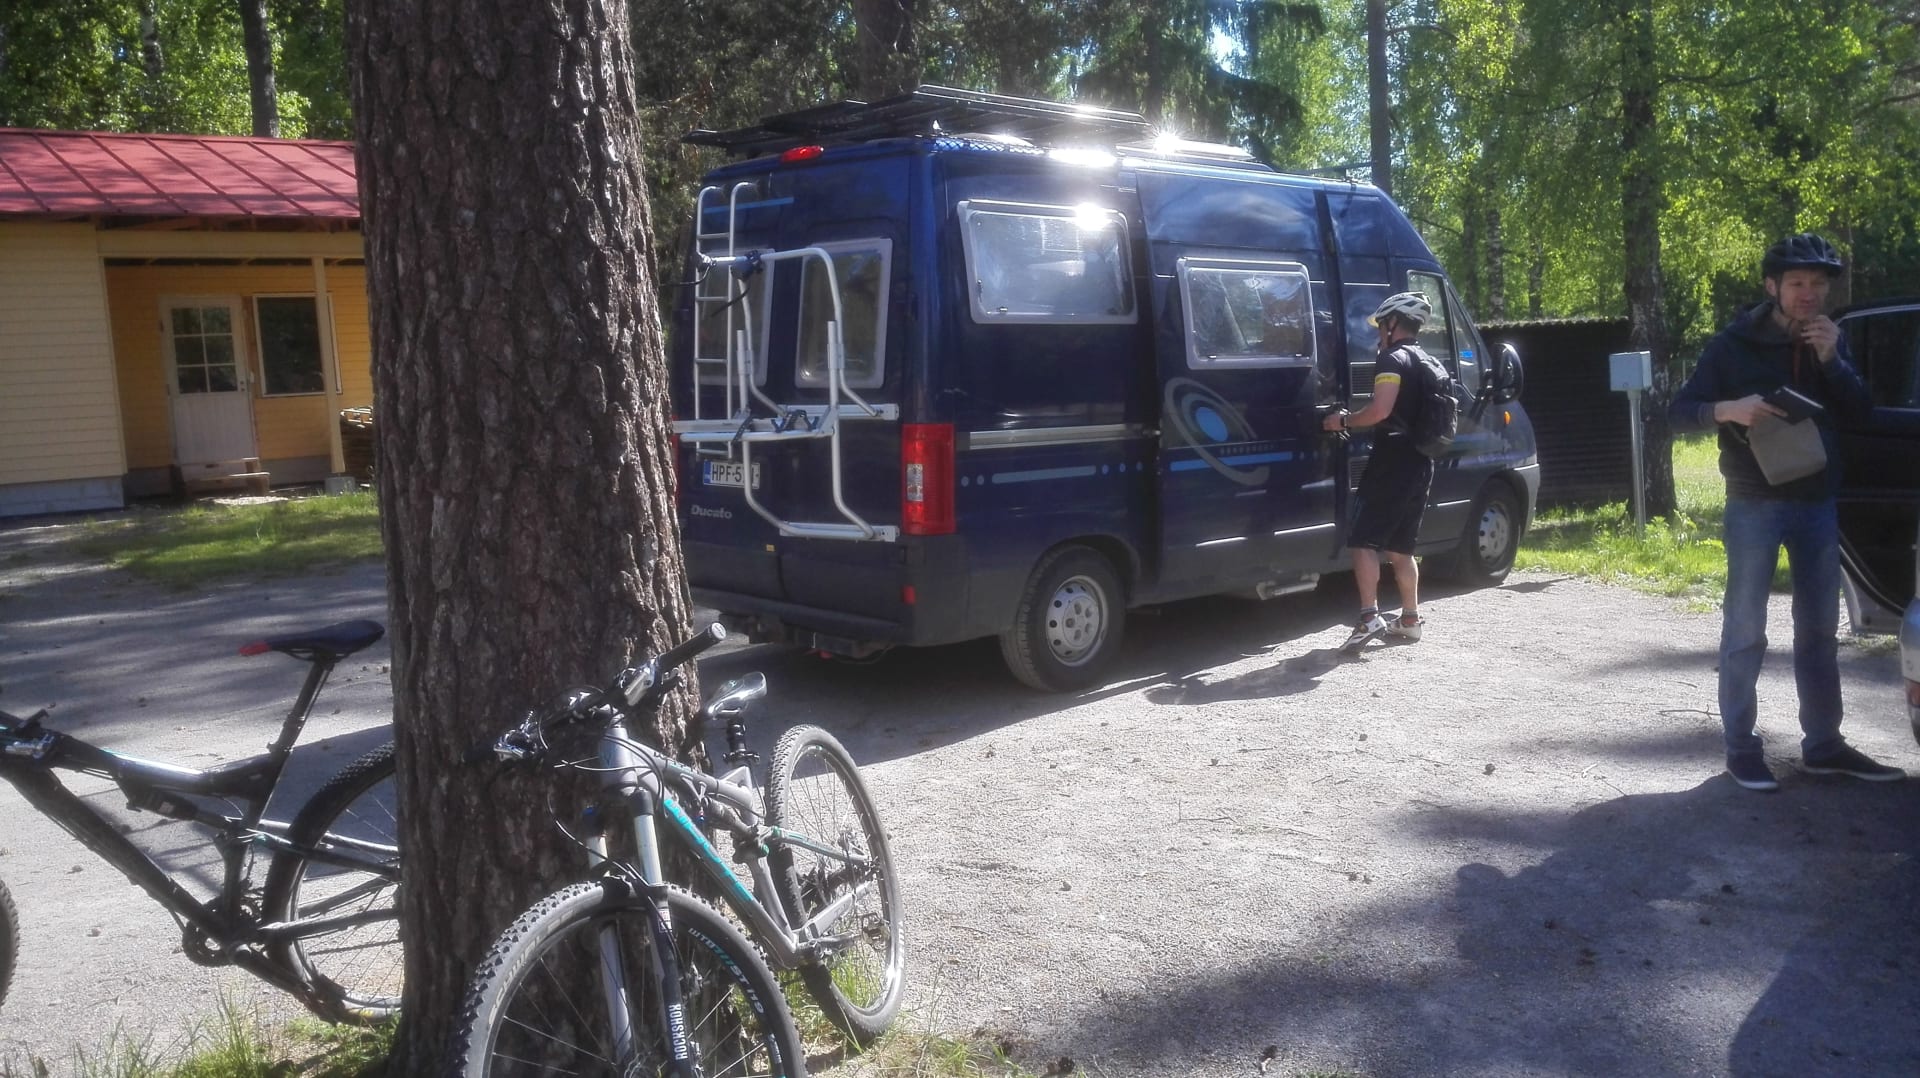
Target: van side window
<point>1436,337</point>
<point>1247,313</point>
<point>1046,263</point>
<point>860,267</point>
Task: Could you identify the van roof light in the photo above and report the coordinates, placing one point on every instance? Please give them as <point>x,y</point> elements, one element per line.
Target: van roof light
<point>801,153</point>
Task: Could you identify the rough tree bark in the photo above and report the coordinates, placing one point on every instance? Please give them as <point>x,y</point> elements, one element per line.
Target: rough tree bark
<point>520,399</point>
<point>259,43</point>
<point>1640,203</point>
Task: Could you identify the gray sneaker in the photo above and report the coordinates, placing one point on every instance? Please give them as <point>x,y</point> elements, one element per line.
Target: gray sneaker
<point>1401,628</point>
<point>1371,627</point>
<point>1752,772</point>
<point>1847,760</point>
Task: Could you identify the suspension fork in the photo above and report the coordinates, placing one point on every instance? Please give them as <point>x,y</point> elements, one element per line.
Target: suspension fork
<point>622,768</point>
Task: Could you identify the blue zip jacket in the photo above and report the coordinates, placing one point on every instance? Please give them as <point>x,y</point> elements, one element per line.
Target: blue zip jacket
<point>1753,355</point>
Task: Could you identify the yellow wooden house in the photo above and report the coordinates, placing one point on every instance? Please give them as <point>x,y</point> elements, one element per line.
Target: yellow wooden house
<point>175,311</point>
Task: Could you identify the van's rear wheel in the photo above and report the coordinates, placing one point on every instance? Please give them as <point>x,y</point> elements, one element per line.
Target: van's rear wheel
<point>1490,540</point>
<point>1068,624</point>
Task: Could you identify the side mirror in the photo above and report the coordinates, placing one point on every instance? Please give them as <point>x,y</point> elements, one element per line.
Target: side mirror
<point>733,697</point>
<point>1508,376</point>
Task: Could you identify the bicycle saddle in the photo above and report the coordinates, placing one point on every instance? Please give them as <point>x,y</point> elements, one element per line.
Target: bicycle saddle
<point>334,641</point>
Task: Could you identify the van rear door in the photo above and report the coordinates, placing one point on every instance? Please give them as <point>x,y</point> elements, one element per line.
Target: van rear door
<point>850,215</point>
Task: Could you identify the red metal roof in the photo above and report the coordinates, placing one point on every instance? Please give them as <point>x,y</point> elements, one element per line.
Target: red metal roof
<point>78,173</point>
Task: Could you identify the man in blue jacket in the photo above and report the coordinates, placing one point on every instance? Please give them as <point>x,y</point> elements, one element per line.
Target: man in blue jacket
<point>1787,340</point>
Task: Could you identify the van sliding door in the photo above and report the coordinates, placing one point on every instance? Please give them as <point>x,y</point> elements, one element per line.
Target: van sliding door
<point>1246,479</point>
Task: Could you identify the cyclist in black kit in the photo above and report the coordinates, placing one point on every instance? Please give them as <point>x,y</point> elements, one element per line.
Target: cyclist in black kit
<point>1393,492</point>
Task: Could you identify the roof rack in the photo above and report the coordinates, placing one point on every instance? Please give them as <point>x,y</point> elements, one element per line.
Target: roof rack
<point>927,110</point>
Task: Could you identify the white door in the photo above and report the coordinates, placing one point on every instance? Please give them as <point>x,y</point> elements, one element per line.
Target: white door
<point>207,379</point>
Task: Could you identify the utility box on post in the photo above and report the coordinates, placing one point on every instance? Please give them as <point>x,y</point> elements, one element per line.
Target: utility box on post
<point>1631,371</point>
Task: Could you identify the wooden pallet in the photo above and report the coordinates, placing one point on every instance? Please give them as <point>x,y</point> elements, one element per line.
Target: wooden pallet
<point>216,475</point>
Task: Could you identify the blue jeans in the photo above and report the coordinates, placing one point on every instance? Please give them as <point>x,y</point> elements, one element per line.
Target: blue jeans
<point>1756,529</point>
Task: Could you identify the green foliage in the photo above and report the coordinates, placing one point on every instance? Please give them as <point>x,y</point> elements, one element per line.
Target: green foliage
<point>1681,556</point>
<point>99,65</point>
<point>232,1044</point>
<point>207,544</point>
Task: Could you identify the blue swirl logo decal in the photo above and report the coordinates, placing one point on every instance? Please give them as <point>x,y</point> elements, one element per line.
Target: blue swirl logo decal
<point>1202,420</point>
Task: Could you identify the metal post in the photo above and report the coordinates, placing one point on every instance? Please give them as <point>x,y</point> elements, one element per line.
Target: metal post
<point>1639,463</point>
<point>1632,373</point>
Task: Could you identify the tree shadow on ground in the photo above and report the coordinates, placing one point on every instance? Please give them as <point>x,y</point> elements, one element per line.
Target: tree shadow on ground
<point>1706,931</point>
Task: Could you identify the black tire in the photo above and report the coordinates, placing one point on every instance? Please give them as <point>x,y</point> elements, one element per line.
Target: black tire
<point>525,1015</point>
<point>9,940</point>
<point>1490,539</point>
<point>815,790</point>
<point>353,974</point>
<point>1067,627</point>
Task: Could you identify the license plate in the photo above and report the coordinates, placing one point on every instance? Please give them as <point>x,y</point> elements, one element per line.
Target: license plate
<point>729,473</point>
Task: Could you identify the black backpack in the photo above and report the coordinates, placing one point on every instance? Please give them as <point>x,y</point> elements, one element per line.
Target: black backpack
<point>1437,418</point>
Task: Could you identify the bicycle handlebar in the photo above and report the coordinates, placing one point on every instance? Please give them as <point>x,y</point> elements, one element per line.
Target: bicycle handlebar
<point>638,686</point>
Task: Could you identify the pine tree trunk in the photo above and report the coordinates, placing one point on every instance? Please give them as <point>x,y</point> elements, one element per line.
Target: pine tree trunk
<point>1379,109</point>
<point>520,400</point>
<point>1641,202</point>
<point>1496,307</point>
<point>888,64</point>
<point>152,60</point>
<point>265,102</point>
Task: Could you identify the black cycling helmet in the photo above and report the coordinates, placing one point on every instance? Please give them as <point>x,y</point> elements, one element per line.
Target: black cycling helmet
<point>1804,251</point>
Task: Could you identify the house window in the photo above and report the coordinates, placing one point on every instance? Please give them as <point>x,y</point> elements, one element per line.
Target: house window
<point>1247,313</point>
<point>289,328</point>
<point>860,268</point>
<point>204,359</point>
<point>1046,263</point>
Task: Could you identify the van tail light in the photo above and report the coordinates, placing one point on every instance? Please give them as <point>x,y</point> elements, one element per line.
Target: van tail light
<point>926,478</point>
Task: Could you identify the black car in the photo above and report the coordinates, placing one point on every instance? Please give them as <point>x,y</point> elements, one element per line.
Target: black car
<point>1880,496</point>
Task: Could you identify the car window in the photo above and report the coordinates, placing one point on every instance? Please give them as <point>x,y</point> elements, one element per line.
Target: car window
<point>1436,337</point>
<point>1247,313</point>
<point>860,270</point>
<point>1046,263</point>
<point>1886,348</point>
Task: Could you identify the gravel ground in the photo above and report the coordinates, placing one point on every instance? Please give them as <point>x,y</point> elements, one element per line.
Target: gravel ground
<point>1505,850</point>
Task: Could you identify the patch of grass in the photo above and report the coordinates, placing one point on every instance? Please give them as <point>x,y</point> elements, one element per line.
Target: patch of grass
<point>210,543</point>
<point>234,1044</point>
<point>1681,557</point>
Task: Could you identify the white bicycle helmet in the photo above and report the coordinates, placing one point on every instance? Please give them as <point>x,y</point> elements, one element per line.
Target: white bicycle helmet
<point>1409,306</point>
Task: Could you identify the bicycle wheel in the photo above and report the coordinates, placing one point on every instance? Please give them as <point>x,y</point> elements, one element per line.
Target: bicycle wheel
<point>353,972</point>
<point>9,940</point>
<point>815,790</point>
<point>539,1003</point>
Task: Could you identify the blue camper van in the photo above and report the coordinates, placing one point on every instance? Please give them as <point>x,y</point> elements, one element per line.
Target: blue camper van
<point>955,365</point>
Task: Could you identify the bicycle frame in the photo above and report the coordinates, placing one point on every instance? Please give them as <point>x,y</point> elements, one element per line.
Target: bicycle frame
<point>635,772</point>
<point>30,754</point>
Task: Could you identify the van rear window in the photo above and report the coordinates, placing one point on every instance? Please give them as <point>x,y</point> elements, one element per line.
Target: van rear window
<point>1247,313</point>
<point>860,269</point>
<point>1046,263</point>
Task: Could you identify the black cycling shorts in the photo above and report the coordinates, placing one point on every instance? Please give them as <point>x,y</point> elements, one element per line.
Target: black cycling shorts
<point>1391,500</point>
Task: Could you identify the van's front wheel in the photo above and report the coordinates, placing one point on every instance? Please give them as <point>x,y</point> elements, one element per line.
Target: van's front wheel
<point>1068,624</point>
<point>1490,540</point>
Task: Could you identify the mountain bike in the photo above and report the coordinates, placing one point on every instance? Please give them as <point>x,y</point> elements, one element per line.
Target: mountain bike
<point>323,925</point>
<point>824,900</point>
